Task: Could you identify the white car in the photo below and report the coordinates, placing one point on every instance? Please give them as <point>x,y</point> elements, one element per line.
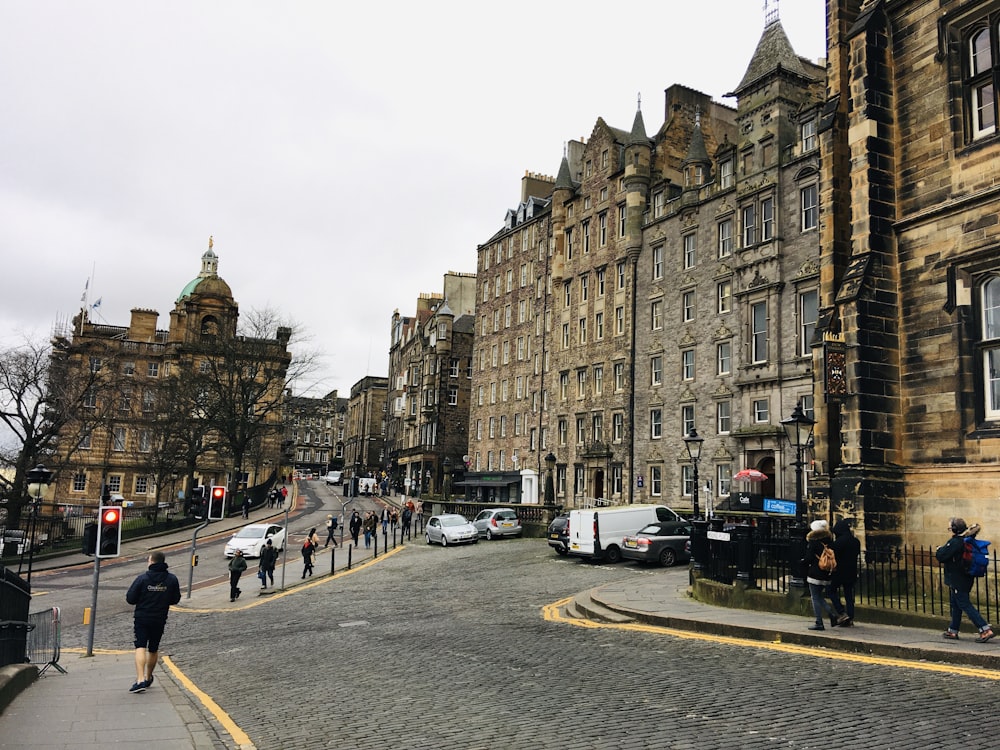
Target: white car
<point>251,539</point>
<point>450,528</point>
<point>333,477</point>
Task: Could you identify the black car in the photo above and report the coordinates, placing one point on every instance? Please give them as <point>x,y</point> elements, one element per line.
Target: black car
<point>663,542</point>
<point>558,534</point>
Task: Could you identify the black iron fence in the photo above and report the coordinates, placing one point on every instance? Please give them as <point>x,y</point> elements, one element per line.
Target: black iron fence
<point>906,578</point>
<point>15,598</point>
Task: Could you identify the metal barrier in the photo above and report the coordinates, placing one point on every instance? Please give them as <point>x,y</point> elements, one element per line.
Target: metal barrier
<point>45,639</point>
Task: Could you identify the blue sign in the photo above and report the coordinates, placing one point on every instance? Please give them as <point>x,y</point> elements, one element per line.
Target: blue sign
<point>784,507</point>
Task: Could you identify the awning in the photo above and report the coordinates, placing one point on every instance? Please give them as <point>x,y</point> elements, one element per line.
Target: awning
<point>488,482</point>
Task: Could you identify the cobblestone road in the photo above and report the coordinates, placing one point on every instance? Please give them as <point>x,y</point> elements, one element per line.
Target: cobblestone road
<point>447,648</point>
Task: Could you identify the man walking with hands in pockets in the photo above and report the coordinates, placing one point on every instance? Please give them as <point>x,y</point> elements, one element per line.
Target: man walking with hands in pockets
<point>152,594</point>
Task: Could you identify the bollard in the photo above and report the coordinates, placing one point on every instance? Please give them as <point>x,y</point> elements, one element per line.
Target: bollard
<point>743,535</point>
<point>374,545</point>
<point>333,555</point>
<point>350,554</point>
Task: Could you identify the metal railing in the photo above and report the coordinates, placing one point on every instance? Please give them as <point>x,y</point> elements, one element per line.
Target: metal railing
<point>45,639</point>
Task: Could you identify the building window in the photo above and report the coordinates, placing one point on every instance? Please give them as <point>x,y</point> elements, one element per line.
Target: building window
<point>723,479</point>
<point>658,205</point>
<point>141,485</point>
<point>79,482</point>
<point>585,229</point>
<point>562,430</point>
<point>767,219</point>
<point>95,364</point>
<point>619,321</point>
<point>153,370</point>
<point>602,228</point>
<point>621,219</point>
<point>689,250</point>
<point>600,282</point>
<point>565,335</point>
<point>597,427</point>
<point>810,207</point>
<point>145,441</point>
<point>453,396</point>
<point>655,481</point>
<point>620,270</point>
<point>617,427</point>
<point>808,314</point>
<point>725,238</point>
<point>581,383</point>
<point>598,326</point>
<point>503,426</point>
<point>749,225</point>
<point>655,424</point>
<point>569,243</point>
<point>724,296</point>
<point>616,480</point>
<point>807,135</point>
<point>619,377</point>
<point>687,306</point>
<point>687,419</point>
<point>726,173</point>
<point>118,439</point>
<point>687,480</point>
<point>584,288</point>
<point>982,69</point>
<point>657,262</point>
<point>723,417</point>
<point>758,332</point>
<point>128,369</point>
<point>656,371</point>
<point>114,483</point>
<point>760,410</point>
<point>598,380</point>
<point>125,401</point>
<point>567,293</point>
<point>85,439</point>
<point>581,431</point>
<point>656,315</point>
<point>687,364</point>
<point>723,358</point>
<point>563,386</point>
<point>990,322</point>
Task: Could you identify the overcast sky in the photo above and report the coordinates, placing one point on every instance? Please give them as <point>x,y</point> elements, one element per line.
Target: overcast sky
<point>343,155</point>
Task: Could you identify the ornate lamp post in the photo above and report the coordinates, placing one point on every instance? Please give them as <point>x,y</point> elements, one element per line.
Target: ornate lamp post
<point>693,442</point>
<point>550,481</point>
<point>38,478</point>
<point>798,430</point>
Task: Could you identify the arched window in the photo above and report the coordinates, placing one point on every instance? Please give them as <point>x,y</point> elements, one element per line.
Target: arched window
<point>209,326</point>
<point>981,72</point>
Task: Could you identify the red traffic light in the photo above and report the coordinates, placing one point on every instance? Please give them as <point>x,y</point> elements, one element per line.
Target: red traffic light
<point>110,515</point>
<point>218,493</point>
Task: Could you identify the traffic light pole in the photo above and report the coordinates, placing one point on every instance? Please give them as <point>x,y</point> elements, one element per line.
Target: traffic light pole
<point>93,606</point>
<point>194,556</point>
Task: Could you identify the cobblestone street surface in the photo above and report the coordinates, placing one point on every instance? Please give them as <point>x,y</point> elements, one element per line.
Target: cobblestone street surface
<point>447,648</point>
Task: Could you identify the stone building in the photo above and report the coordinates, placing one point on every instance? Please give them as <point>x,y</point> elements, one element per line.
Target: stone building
<point>314,433</point>
<point>430,362</point>
<point>155,419</point>
<point>507,425</point>
<point>727,279</point>
<point>365,428</point>
<point>907,374</point>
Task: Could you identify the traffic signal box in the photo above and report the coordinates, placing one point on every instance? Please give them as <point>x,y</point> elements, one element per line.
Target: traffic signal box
<point>217,504</point>
<point>194,505</point>
<point>109,531</point>
<point>90,539</point>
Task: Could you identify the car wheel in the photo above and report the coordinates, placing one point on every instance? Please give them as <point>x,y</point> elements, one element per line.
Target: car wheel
<point>612,554</point>
<point>444,540</point>
<point>667,557</point>
<point>561,551</point>
<point>489,535</point>
<point>428,537</point>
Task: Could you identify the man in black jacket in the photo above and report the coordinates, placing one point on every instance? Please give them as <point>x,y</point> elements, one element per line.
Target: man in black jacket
<point>152,594</point>
<point>847,549</point>
<point>959,581</point>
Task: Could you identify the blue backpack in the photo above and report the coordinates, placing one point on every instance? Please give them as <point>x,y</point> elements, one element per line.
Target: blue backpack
<point>975,557</point>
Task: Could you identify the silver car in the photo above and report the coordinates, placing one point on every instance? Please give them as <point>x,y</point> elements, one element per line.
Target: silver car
<point>497,522</point>
<point>450,528</point>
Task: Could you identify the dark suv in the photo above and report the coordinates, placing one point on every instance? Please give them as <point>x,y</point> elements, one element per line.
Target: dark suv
<point>558,534</point>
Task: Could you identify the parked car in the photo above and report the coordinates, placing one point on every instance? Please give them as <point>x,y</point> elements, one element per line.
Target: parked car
<point>334,477</point>
<point>596,533</point>
<point>450,528</point>
<point>252,538</point>
<point>558,534</point>
<point>497,522</point>
<point>663,542</point>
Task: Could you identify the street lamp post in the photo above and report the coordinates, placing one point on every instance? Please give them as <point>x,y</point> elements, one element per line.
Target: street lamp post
<point>38,478</point>
<point>550,480</point>
<point>693,442</point>
<point>798,430</point>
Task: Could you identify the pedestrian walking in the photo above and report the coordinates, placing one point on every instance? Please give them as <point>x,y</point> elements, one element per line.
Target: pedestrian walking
<point>152,593</point>
<point>370,527</point>
<point>309,553</point>
<point>818,539</point>
<point>959,581</point>
<point>420,515</point>
<point>385,517</point>
<point>331,530</point>
<point>282,498</point>
<point>407,519</point>
<point>236,567</point>
<point>355,526</point>
<point>268,558</point>
<point>246,506</point>
<point>847,550</point>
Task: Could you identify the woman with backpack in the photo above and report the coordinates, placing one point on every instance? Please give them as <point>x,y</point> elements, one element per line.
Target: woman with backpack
<point>819,573</point>
<point>309,552</point>
<point>959,581</point>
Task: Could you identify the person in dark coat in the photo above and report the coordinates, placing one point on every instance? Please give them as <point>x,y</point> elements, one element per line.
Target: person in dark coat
<point>309,553</point>
<point>818,538</point>
<point>847,549</point>
<point>960,582</point>
<point>236,567</point>
<point>355,526</point>
<point>152,594</point>
<point>268,558</point>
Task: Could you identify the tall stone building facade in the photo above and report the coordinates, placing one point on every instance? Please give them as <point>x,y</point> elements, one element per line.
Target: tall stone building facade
<point>314,432</point>
<point>430,369</point>
<point>728,281</point>
<point>909,419</point>
<point>364,440</point>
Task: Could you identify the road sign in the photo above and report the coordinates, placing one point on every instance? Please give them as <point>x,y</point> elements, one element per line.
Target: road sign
<point>783,507</point>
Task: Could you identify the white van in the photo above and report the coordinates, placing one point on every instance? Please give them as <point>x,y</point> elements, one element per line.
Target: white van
<point>597,532</point>
<point>333,477</point>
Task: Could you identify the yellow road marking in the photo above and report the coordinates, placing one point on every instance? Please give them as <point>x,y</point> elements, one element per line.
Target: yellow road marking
<point>291,590</point>
<point>240,737</point>
<point>552,613</point>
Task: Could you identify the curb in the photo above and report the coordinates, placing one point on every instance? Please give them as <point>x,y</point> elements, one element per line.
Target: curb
<point>14,679</point>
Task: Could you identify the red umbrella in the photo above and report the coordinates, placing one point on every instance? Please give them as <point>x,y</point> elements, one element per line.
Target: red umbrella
<point>749,475</point>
